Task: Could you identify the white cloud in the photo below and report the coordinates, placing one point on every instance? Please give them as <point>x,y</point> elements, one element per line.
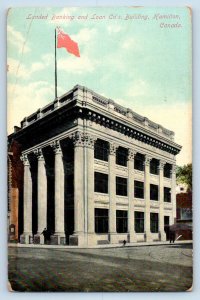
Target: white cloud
<point>114,28</point>
<point>176,117</point>
<point>17,39</point>
<point>84,35</point>
<point>18,69</point>
<point>27,99</point>
<point>77,65</point>
<point>128,44</point>
<point>138,88</point>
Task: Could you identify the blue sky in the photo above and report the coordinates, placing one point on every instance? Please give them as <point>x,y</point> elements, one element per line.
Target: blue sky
<point>134,62</point>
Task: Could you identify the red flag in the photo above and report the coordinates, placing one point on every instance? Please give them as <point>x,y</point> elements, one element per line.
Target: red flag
<point>63,40</point>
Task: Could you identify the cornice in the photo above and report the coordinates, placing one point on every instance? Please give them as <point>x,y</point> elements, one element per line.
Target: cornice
<point>81,102</point>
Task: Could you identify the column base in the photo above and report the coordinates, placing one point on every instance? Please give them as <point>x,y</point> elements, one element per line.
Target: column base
<point>77,239</point>
<point>26,238</point>
<point>162,236</point>
<point>58,239</point>
<point>132,237</point>
<point>38,239</point>
<point>148,237</point>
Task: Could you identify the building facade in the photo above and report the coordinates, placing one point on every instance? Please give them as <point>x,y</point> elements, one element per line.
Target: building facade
<point>95,173</point>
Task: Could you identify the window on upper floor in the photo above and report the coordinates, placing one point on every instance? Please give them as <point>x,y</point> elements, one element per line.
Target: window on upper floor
<point>167,170</point>
<point>167,194</point>
<point>121,156</point>
<point>139,189</point>
<point>121,186</point>
<point>154,164</point>
<point>101,149</point>
<point>100,182</point>
<point>153,192</point>
<point>139,162</point>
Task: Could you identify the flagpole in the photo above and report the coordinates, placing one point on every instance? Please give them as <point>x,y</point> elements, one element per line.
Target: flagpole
<point>55,68</point>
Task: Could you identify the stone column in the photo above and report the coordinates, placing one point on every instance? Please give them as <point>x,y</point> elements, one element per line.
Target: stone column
<point>59,235</point>
<point>148,236</point>
<point>89,199</point>
<point>78,237</point>
<point>25,237</point>
<point>112,194</point>
<point>41,197</point>
<point>131,218</point>
<point>161,203</point>
<point>173,194</point>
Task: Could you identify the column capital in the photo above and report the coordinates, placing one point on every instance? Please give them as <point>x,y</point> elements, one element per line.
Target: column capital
<point>148,159</point>
<point>173,170</point>
<point>56,147</point>
<point>161,164</point>
<point>39,154</point>
<point>131,154</point>
<point>112,148</point>
<point>83,139</point>
<point>24,159</point>
<point>89,140</point>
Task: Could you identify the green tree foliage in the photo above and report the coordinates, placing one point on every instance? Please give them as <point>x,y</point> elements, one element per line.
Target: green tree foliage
<point>184,175</point>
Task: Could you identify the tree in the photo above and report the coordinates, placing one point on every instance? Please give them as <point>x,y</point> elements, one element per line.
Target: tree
<point>184,175</point>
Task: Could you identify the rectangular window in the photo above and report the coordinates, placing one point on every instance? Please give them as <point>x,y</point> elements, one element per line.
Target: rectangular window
<point>101,220</point>
<point>154,164</point>
<point>139,222</point>
<point>121,156</point>
<point>101,150</point>
<point>139,162</point>
<point>166,220</point>
<point>154,222</point>
<point>139,189</point>
<point>122,221</point>
<point>153,192</point>
<point>121,186</point>
<point>167,170</point>
<point>186,213</point>
<point>167,194</point>
<point>100,182</point>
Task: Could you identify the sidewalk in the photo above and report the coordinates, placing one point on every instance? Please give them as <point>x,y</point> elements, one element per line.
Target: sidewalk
<point>139,244</point>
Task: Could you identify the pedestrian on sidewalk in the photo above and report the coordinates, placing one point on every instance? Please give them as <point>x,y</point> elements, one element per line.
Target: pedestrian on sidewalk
<point>124,243</point>
<point>172,236</point>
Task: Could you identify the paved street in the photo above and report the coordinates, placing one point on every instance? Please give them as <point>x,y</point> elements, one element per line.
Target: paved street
<point>145,268</point>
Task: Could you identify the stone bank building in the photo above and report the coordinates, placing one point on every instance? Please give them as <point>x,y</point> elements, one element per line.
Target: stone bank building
<point>94,173</point>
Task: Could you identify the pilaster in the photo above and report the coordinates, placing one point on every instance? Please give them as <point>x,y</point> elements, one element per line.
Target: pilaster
<point>131,218</point>
<point>89,187</point>
<point>112,193</point>
<point>148,236</point>
<point>161,202</point>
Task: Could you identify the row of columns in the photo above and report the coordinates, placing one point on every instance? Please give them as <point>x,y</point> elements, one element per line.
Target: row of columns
<point>59,236</point>
<point>84,219</point>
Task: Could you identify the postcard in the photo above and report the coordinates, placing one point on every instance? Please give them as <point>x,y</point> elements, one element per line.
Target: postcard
<point>99,149</point>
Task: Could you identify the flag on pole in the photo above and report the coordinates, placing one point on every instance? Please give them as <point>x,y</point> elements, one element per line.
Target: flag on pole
<point>64,40</point>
